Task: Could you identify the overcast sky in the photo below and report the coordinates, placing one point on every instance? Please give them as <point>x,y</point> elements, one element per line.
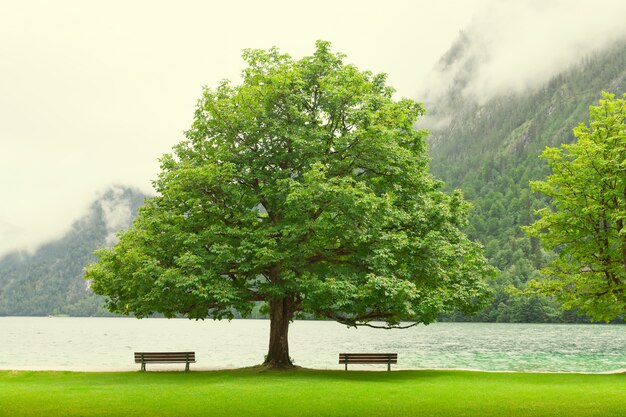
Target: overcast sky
<point>92,93</point>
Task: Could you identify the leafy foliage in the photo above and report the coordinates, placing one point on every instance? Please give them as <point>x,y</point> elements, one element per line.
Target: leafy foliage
<point>587,224</point>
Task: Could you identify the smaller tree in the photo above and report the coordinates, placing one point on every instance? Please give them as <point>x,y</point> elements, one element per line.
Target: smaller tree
<point>586,225</point>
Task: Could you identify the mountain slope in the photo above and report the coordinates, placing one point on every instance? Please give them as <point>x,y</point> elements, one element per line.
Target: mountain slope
<point>50,281</point>
<point>491,151</point>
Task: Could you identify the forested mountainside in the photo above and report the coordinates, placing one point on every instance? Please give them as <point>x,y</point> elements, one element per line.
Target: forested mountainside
<point>491,152</point>
<point>50,281</point>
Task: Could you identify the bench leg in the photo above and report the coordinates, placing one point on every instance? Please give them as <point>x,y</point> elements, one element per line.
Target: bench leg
<point>388,366</point>
<point>186,366</point>
<point>143,366</point>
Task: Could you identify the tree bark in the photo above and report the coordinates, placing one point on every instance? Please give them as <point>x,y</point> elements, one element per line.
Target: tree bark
<point>280,316</point>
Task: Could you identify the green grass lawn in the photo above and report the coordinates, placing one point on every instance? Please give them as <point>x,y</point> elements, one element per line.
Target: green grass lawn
<point>250,392</point>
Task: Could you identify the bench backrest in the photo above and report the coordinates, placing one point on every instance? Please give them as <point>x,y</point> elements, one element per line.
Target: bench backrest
<point>368,358</point>
<point>165,357</point>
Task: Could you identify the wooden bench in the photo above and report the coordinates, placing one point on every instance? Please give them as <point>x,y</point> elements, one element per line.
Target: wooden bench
<point>363,358</point>
<point>165,357</point>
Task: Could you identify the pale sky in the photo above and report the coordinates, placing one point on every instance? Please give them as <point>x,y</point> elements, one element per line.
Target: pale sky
<point>92,93</point>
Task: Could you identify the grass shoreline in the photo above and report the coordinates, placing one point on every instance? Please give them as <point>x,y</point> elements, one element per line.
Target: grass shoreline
<point>354,368</point>
<point>307,392</point>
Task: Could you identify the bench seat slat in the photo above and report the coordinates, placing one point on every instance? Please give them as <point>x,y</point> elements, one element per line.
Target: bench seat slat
<point>173,354</point>
<point>350,356</point>
<point>362,355</point>
<point>163,354</point>
<point>165,358</point>
<point>367,357</point>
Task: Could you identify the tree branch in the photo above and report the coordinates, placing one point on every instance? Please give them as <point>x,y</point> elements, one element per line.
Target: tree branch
<point>365,318</point>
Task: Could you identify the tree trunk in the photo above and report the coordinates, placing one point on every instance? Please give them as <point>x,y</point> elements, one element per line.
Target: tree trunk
<point>280,316</point>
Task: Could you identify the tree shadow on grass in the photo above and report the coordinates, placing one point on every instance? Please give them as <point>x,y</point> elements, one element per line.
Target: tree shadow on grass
<point>316,374</point>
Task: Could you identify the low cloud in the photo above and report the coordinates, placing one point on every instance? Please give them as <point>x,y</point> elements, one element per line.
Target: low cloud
<point>511,47</point>
<point>117,214</point>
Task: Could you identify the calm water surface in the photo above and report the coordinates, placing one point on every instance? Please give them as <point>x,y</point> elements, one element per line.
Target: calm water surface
<point>109,343</point>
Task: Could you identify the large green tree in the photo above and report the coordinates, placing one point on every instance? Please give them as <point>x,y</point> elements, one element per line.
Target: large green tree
<point>586,224</point>
<point>306,188</point>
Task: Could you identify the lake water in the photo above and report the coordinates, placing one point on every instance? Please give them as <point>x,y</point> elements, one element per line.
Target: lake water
<point>109,343</point>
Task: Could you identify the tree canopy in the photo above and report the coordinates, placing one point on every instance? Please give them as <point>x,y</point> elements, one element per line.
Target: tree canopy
<point>586,224</point>
<point>305,188</point>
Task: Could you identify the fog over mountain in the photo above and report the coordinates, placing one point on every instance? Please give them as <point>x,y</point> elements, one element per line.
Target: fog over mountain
<point>513,47</point>
<point>50,280</point>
